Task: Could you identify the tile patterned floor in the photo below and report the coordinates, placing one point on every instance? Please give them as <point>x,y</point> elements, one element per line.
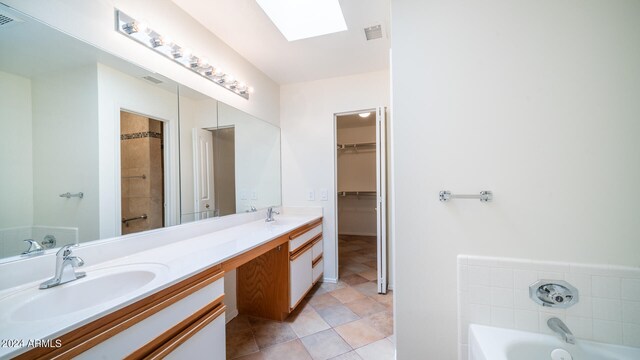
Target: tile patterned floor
<point>344,321</point>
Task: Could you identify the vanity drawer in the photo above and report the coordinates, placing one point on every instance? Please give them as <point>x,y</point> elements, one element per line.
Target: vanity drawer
<point>301,236</point>
<point>317,249</point>
<point>210,340</point>
<point>318,269</point>
<point>301,276</point>
<point>132,339</point>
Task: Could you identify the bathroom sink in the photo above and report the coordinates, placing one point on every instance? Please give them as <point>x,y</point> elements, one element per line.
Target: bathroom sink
<point>98,288</point>
<point>287,222</point>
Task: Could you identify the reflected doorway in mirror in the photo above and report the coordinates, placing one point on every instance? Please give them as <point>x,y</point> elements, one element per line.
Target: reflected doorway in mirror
<point>142,171</point>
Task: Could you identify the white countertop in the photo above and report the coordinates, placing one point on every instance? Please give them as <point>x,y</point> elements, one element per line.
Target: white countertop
<point>174,262</point>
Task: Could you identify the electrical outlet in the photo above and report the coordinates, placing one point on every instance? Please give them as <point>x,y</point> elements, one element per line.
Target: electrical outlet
<point>311,195</point>
<point>324,195</point>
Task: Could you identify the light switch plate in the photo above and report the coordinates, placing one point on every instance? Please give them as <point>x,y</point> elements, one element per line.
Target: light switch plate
<point>254,195</point>
<point>243,195</point>
<point>311,195</point>
<point>324,195</point>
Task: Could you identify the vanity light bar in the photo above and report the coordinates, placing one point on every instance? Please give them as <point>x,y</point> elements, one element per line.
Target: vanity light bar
<point>140,32</point>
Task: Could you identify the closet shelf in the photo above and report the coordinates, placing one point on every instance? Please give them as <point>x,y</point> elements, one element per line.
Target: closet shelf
<point>356,193</point>
<point>356,145</point>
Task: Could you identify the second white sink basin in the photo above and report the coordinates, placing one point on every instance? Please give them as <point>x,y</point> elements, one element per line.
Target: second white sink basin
<point>99,287</point>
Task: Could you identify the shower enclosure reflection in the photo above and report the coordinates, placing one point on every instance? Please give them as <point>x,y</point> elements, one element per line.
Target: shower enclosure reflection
<point>142,169</point>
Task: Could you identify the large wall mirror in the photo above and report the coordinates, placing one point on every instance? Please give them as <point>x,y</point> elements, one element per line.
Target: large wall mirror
<point>229,160</point>
<point>96,147</point>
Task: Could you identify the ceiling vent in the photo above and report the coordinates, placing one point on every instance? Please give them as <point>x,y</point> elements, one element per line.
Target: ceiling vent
<point>373,32</point>
<point>7,20</point>
<point>152,80</point>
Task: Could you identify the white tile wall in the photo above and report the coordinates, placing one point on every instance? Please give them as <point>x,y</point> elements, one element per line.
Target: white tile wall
<point>495,291</point>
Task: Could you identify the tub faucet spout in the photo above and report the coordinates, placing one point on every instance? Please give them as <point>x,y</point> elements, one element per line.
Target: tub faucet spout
<point>561,329</point>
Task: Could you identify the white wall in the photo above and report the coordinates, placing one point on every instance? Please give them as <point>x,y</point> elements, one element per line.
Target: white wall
<point>308,141</point>
<point>93,21</point>
<point>257,159</point>
<point>65,151</point>
<point>536,101</point>
<point>118,91</point>
<point>16,178</point>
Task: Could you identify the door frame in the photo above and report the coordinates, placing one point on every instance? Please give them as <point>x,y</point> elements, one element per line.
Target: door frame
<point>335,187</point>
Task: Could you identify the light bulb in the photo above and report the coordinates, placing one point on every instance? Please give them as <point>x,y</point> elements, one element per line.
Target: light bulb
<point>364,115</point>
<point>142,27</point>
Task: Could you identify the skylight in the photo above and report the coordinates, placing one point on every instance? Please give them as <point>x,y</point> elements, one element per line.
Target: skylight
<point>301,19</point>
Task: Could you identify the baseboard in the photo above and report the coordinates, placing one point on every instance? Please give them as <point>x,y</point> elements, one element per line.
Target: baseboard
<point>330,280</point>
<point>357,234</point>
<point>230,315</point>
<point>390,286</point>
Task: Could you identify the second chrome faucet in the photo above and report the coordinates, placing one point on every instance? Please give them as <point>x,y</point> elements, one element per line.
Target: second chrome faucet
<point>270,213</point>
<point>65,268</point>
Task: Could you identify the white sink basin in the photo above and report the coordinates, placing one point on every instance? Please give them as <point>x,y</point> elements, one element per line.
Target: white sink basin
<point>288,221</point>
<point>99,287</point>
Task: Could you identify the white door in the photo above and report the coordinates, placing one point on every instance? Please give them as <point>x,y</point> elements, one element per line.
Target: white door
<point>203,173</point>
<point>381,184</point>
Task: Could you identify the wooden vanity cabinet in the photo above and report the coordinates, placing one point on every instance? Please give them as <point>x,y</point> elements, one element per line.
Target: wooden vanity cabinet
<point>187,320</point>
<point>273,284</point>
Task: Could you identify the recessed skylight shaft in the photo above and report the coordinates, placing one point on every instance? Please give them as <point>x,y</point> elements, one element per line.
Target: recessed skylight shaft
<point>301,19</point>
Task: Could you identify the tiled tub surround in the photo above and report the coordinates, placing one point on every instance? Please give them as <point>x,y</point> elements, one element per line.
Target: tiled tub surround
<point>184,250</point>
<point>495,291</point>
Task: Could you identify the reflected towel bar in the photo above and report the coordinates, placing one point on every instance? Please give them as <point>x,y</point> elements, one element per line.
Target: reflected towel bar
<point>70,195</point>
<point>484,196</point>
<point>143,176</point>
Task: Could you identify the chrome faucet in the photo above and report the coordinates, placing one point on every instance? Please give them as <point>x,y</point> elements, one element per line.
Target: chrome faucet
<point>270,213</point>
<point>561,329</point>
<point>65,268</point>
<point>34,248</point>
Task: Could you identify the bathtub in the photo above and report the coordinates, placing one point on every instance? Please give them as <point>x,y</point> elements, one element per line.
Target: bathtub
<point>492,343</point>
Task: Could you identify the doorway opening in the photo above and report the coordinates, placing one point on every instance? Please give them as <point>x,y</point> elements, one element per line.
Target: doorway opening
<point>214,171</point>
<point>224,170</point>
<point>142,173</point>
<point>361,199</point>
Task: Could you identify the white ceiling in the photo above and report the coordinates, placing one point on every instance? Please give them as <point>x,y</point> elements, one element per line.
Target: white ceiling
<point>246,28</point>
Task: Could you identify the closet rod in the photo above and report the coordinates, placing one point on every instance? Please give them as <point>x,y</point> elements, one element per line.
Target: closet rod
<point>355,145</point>
<point>357,193</point>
